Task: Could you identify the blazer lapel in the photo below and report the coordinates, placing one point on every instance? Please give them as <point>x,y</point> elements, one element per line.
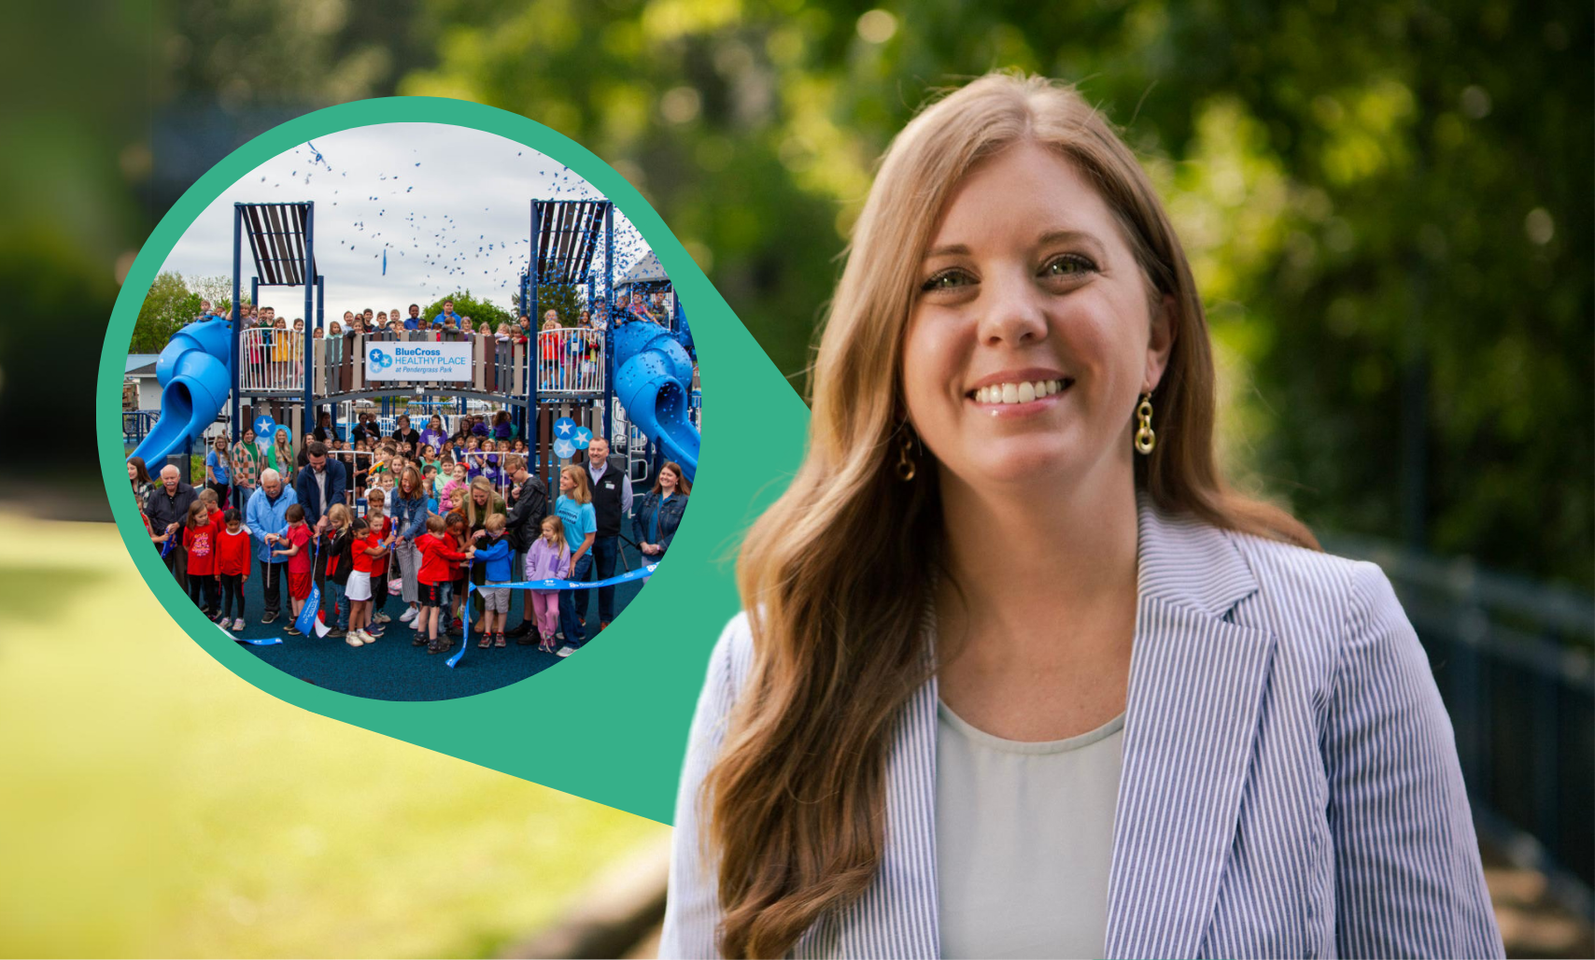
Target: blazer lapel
<point>1196,685</point>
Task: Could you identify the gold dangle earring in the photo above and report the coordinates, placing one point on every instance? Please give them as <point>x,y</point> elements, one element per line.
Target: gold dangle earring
<point>1144,437</point>
<point>905,460</point>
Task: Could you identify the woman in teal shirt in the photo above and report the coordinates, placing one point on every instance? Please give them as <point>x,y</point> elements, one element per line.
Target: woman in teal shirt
<point>575,511</point>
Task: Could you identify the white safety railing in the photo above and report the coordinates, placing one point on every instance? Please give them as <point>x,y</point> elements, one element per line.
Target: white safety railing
<point>570,361</point>
<point>271,360</point>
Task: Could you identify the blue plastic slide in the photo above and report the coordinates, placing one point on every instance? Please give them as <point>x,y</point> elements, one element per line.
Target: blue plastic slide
<point>192,372</point>
<point>653,379</point>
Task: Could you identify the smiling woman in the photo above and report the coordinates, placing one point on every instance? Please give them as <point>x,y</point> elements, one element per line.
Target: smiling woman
<point>1019,674</point>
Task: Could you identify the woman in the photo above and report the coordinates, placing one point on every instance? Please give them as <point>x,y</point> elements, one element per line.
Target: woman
<point>280,455</point>
<point>656,520</point>
<point>580,518</point>
<point>218,470</point>
<point>1019,674</point>
<point>138,477</point>
<point>408,511</point>
<point>434,435</point>
<point>246,467</point>
<point>482,502</point>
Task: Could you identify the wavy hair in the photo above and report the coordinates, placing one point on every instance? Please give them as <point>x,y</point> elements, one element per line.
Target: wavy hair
<point>836,574</point>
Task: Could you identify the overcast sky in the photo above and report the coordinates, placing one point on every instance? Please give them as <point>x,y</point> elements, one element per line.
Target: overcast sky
<point>450,205</point>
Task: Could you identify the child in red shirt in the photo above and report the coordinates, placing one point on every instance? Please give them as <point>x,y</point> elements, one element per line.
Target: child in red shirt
<point>199,539</point>
<point>298,554</point>
<point>232,566</point>
<point>438,556</point>
<point>365,552</point>
<point>376,515</point>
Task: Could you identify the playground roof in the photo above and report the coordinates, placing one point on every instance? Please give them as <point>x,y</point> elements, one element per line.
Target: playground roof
<point>276,233</point>
<point>137,361</point>
<point>645,270</point>
<point>567,237</point>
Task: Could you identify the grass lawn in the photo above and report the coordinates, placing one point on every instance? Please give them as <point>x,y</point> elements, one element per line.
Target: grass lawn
<point>155,804</point>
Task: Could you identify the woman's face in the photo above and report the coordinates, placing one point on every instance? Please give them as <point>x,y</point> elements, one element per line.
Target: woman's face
<point>282,436</point>
<point>249,437</point>
<point>479,495</point>
<point>1029,337</point>
<point>132,472</point>
<point>668,480</point>
<point>566,484</point>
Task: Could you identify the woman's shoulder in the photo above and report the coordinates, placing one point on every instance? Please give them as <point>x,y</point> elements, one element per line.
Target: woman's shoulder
<point>731,658</point>
<point>1328,607</point>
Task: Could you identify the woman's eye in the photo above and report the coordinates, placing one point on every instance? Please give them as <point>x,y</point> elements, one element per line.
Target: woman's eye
<point>1068,265</point>
<point>946,280</point>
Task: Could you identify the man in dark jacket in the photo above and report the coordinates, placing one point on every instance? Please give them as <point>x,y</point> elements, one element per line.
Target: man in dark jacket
<point>528,505</point>
<point>321,483</point>
<point>167,508</point>
<point>611,488</point>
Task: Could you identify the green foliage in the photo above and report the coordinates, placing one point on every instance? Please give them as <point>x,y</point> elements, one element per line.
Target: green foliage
<point>1386,206</point>
<point>168,307</point>
<point>467,306</point>
<point>566,299</point>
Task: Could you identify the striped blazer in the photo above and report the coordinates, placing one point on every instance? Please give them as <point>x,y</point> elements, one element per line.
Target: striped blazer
<point>1289,787</point>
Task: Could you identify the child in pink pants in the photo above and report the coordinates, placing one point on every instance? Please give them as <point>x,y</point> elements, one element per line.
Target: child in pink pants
<point>548,559</point>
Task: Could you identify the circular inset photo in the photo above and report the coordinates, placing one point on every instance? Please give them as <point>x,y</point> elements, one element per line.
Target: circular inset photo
<point>411,411</point>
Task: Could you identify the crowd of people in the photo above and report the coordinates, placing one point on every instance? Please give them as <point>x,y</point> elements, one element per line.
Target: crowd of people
<point>416,513</point>
<point>652,307</point>
<point>568,352</point>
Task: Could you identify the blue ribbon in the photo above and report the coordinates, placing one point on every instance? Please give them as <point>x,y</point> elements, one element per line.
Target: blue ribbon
<point>465,615</point>
<point>259,643</point>
<point>305,623</point>
<point>641,573</point>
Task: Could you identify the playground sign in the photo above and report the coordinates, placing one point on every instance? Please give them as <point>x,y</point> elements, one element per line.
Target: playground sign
<point>397,360</point>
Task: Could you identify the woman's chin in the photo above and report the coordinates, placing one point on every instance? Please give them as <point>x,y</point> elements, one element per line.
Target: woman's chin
<point>1020,465</point>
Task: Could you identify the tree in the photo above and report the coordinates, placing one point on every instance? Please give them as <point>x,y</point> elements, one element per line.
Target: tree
<point>467,306</point>
<point>566,299</point>
<point>167,308</point>
<point>1386,206</point>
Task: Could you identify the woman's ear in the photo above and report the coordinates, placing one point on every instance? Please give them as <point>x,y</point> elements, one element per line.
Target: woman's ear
<point>1160,342</point>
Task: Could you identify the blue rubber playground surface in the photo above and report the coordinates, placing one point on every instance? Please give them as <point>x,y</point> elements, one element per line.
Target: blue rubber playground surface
<point>392,669</point>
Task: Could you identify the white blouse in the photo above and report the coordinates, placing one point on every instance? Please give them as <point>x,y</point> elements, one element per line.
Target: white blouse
<point>1024,838</point>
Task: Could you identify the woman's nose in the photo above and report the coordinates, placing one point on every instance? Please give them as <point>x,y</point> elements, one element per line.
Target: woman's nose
<point>1013,311</point>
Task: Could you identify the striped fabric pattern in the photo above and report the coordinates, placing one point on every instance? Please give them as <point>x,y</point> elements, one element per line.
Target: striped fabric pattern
<point>1290,785</point>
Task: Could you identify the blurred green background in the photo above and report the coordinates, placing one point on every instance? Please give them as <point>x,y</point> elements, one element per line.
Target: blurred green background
<point>1388,207</point>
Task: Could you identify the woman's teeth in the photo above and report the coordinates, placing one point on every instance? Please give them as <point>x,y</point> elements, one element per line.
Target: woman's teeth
<point>1024,391</point>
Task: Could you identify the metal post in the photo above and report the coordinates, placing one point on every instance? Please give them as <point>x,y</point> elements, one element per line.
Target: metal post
<point>609,315</point>
<point>238,320</point>
<point>532,276</point>
<point>310,259</point>
<point>321,299</point>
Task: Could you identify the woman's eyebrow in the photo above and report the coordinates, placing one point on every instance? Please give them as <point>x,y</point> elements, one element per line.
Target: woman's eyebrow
<point>1046,239</point>
<point>1072,236</point>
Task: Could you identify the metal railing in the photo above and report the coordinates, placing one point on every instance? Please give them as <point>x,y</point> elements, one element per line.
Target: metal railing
<point>1515,664</point>
<point>570,362</point>
<point>271,361</point>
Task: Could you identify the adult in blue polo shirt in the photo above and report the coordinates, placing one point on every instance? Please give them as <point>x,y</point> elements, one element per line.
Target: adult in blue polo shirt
<point>448,318</point>
<point>266,515</point>
<point>413,321</point>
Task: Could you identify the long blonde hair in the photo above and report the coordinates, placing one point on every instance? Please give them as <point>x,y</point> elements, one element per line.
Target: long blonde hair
<point>480,483</point>
<point>836,575</point>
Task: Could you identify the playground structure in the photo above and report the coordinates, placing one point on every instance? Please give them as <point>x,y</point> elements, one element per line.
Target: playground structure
<point>633,380</point>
